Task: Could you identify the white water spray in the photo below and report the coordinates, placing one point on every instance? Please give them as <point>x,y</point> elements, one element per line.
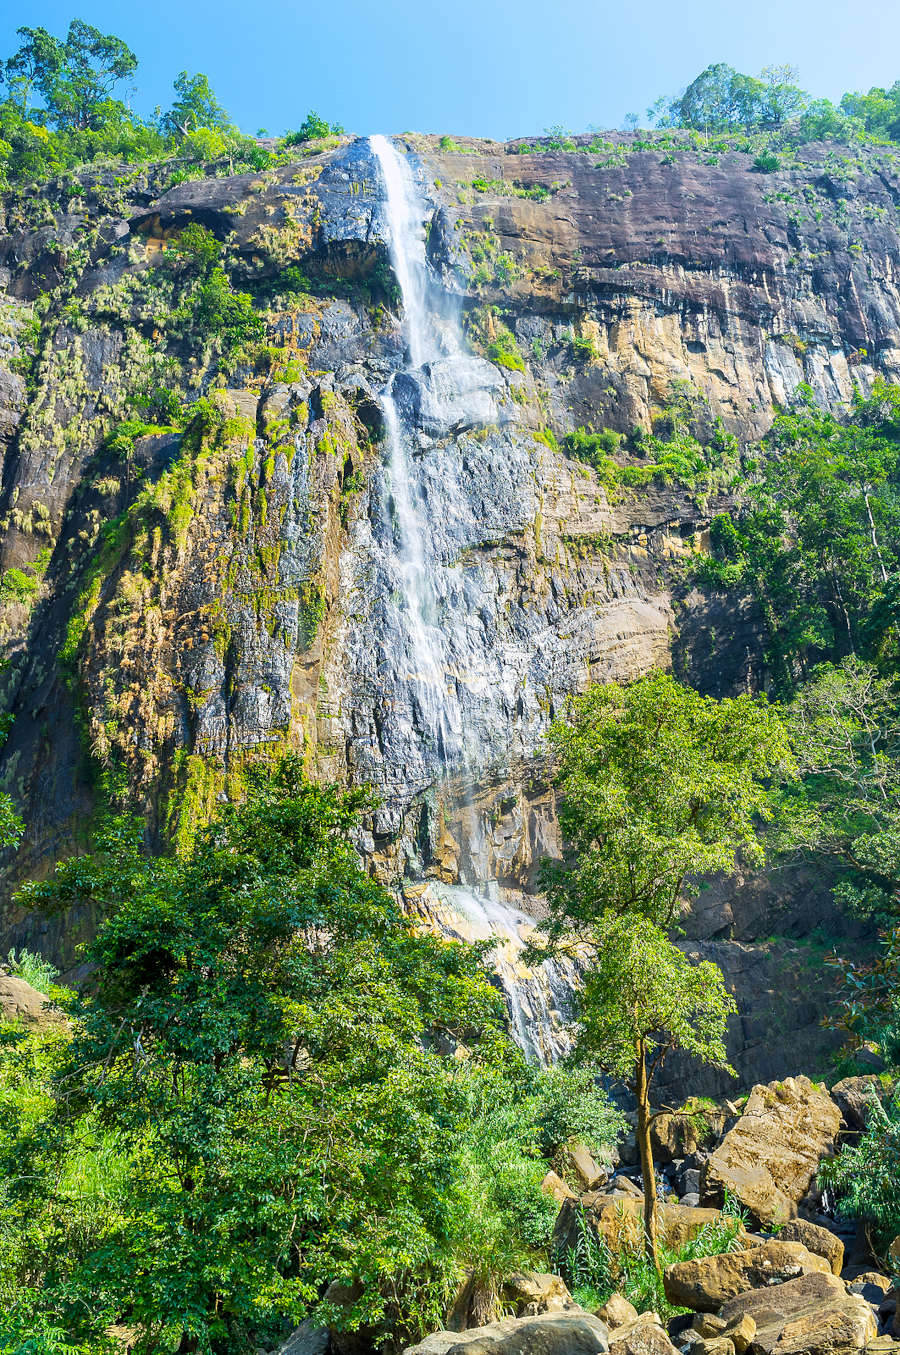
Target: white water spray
<point>450,390</point>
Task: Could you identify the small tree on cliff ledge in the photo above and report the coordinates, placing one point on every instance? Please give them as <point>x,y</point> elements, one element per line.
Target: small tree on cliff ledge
<point>659,786</point>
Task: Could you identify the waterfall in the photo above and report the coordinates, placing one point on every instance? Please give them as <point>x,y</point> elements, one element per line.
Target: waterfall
<point>441,389</point>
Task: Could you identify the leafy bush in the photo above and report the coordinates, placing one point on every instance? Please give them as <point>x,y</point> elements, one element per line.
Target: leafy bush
<point>505,351</point>
<point>33,968</point>
<point>767,162</point>
<point>216,311</point>
<point>865,1176</point>
<point>594,1272</point>
<point>312,128</point>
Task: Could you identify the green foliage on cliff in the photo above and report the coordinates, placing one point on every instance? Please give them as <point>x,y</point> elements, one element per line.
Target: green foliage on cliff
<point>865,1176</point>
<point>60,112</point>
<point>818,537</point>
<point>723,100</point>
<point>253,1100</point>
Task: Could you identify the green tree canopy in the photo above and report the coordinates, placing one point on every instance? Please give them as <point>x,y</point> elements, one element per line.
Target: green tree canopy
<point>261,1046</point>
<point>657,785</point>
<point>195,106</point>
<point>818,538</point>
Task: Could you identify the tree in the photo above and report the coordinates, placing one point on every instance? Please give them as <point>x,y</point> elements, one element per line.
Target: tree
<point>865,1176</point>
<point>642,999</point>
<point>658,786</point>
<point>74,77</point>
<point>311,129</point>
<point>196,106</point>
<point>34,66</point>
<point>844,810</point>
<point>260,1054</point>
<point>818,538</point>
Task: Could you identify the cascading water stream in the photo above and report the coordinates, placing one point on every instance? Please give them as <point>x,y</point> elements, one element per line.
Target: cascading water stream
<point>439,367</point>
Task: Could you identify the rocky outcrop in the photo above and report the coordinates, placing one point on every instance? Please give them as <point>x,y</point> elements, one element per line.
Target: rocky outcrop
<point>708,1283</point>
<point>203,598</point>
<point>769,1159</point>
<point>618,1221</point>
<point>815,1239</point>
<point>644,1335</point>
<point>23,1004</point>
<point>812,1314</point>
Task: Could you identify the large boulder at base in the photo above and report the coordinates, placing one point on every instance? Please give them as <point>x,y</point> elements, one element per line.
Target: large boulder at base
<point>708,1282</point>
<point>554,1186</point>
<point>579,1163</point>
<point>576,1333</point>
<point>619,1220</point>
<point>813,1315</point>
<point>769,1159</point>
<point>20,1002</point>
<point>643,1336</point>
<point>306,1340</point>
<point>815,1239</point>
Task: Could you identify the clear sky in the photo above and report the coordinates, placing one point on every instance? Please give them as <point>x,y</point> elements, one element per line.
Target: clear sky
<point>474,67</point>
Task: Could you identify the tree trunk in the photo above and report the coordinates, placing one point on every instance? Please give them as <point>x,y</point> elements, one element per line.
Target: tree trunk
<point>642,1091</point>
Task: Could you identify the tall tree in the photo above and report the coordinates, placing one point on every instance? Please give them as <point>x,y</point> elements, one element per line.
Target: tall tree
<point>195,106</point>
<point>658,787</point>
<point>261,1045</point>
<point>642,999</point>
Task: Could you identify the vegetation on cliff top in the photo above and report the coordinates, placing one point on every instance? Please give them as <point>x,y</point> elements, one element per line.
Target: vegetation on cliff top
<point>60,112</point>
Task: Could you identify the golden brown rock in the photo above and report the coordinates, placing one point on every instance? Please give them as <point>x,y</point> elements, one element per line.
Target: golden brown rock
<point>812,1315</point>
<point>708,1282</point>
<point>769,1159</point>
<point>617,1311</point>
<point>815,1239</point>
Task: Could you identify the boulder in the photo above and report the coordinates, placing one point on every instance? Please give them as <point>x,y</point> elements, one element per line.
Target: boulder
<point>529,1292</point>
<point>853,1097</point>
<point>642,1336</point>
<point>812,1315</point>
<point>870,1286</point>
<point>716,1345</point>
<point>616,1311</point>
<point>741,1332</point>
<point>679,1135</point>
<point>705,1284</point>
<point>619,1220</point>
<point>306,1340</point>
<point>576,1333</point>
<point>24,1004</point>
<point>815,1239</point>
<point>554,1186</point>
<point>583,1167</point>
<point>769,1159</point>
<point>708,1325</point>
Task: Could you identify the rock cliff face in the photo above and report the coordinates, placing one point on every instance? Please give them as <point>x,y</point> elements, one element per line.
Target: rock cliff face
<point>194,598</point>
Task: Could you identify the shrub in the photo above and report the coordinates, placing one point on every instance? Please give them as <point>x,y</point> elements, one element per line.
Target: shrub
<point>33,968</point>
<point>865,1176</point>
<point>312,128</point>
<point>594,1272</point>
<point>505,351</point>
<point>767,162</point>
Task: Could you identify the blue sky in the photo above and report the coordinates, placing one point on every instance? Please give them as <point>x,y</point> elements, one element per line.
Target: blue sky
<point>475,67</point>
